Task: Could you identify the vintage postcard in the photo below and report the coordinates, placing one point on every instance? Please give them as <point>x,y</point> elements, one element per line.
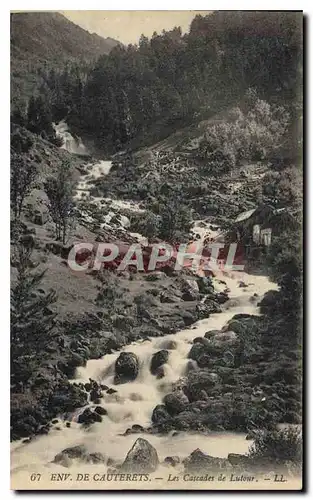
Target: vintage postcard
<point>156,250</point>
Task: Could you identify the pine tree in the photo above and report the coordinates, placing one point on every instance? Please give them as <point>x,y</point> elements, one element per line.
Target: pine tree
<point>32,321</point>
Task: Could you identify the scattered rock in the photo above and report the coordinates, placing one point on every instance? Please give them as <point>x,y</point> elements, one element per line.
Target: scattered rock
<point>100,410</point>
<point>111,391</point>
<point>173,461</point>
<point>89,417</point>
<point>95,395</point>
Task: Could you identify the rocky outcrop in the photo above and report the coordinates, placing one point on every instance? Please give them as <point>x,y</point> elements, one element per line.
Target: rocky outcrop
<point>126,368</point>
<point>142,458</point>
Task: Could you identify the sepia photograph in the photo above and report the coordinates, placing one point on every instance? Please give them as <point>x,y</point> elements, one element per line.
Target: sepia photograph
<point>156,248</point>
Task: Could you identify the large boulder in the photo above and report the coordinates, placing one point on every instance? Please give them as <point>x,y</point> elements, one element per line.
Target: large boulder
<point>243,326</point>
<point>211,334</point>
<point>197,350</point>
<point>88,417</point>
<point>190,290</point>
<point>175,402</point>
<point>199,381</point>
<point>204,310</point>
<point>69,365</point>
<point>212,305</point>
<point>186,420</point>
<point>67,455</point>
<point>270,302</point>
<point>201,340</point>
<point>142,458</point>
<point>237,459</point>
<point>160,414</point>
<point>158,359</point>
<point>214,346</point>
<point>205,286</point>
<point>78,453</point>
<point>200,462</point>
<point>126,368</point>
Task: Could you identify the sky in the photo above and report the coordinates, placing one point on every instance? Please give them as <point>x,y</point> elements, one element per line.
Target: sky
<point>127,26</point>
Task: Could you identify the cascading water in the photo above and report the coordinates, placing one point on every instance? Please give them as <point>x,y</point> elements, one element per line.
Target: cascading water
<point>71,144</point>
<point>134,402</point>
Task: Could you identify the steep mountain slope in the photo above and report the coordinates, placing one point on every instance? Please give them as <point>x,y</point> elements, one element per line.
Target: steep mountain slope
<point>45,40</point>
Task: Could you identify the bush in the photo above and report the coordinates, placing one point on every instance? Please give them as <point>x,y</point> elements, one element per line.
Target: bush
<point>21,143</point>
<point>147,224</point>
<point>244,137</point>
<point>279,446</point>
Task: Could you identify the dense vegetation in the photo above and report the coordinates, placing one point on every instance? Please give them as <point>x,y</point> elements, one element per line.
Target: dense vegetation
<point>44,40</point>
<point>142,92</point>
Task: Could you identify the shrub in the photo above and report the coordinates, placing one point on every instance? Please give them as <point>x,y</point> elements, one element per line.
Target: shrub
<point>278,446</point>
<point>250,136</point>
<point>147,224</point>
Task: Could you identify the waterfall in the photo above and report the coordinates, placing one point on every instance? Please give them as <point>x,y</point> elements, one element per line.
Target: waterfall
<point>70,144</point>
<point>133,402</point>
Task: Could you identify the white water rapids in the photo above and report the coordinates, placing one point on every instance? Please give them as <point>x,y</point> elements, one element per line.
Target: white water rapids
<point>134,402</point>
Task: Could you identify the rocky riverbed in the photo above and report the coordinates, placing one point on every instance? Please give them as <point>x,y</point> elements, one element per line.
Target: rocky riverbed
<point>177,375</point>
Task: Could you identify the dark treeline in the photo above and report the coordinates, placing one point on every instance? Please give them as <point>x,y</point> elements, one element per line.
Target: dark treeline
<point>144,92</point>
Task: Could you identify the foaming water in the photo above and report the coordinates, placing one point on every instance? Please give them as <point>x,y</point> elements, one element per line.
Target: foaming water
<point>134,402</point>
<point>70,144</point>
